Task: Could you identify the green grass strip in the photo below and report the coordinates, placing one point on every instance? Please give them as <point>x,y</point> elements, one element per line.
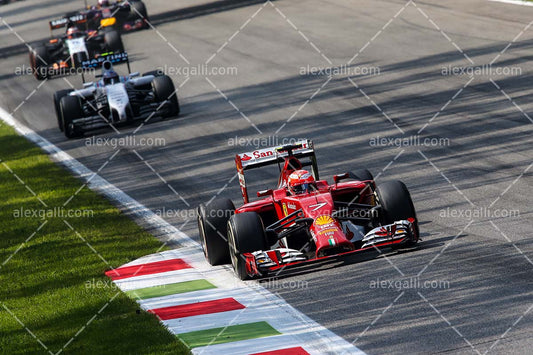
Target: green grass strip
<point>228,334</point>
<point>170,289</point>
<point>52,282</point>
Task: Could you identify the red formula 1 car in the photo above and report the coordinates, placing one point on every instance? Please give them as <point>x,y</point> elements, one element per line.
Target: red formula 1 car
<point>304,219</point>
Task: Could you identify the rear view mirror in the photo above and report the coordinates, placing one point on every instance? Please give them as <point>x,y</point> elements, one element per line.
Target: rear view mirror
<point>340,177</point>
<point>263,193</point>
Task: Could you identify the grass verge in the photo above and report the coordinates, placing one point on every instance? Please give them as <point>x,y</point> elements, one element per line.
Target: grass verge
<point>54,295</point>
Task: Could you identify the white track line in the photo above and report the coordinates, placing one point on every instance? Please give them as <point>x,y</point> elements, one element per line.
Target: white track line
<point>514,2</point>
<point>219,320</point>
<point>159,279</point>
<point>318,339</point>
<point>257,345</point>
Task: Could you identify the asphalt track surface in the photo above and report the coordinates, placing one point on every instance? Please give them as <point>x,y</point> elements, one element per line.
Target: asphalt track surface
<point>481,266</point>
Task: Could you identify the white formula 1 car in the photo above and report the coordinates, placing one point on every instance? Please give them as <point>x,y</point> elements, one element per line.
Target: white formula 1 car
<point>114,99</point>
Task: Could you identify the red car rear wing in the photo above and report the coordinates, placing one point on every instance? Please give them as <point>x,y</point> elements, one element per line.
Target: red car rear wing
<point>303,150</point>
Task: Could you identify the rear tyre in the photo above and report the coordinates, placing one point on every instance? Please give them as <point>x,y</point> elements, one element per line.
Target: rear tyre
<point>246,234</point>
<point>40,61</point>
<point>58,95</point>
<point>138,11</point>
<point>213,228</point>
<point>113,41</point>
<point>164,90</point>
<point>362,174</point>
<point>71,110</point>
<point>397,205</point>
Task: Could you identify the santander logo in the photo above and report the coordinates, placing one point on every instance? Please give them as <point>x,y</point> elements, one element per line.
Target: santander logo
<point>245,157</point>
<point>263,154</point>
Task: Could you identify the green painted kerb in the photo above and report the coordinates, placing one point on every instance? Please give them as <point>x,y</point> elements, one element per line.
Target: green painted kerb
<point>170,289</point>
<point>228,334</point>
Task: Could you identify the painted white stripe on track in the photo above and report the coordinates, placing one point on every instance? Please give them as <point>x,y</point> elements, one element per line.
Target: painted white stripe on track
<point>159,279</point>
<point>514,2</point>
<point>315,336</point>
<point>218,320</point>
<point>244,347</point>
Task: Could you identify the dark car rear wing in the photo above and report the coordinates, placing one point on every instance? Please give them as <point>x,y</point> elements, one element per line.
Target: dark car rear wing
<point>77,19</point>
<point>303,150</point>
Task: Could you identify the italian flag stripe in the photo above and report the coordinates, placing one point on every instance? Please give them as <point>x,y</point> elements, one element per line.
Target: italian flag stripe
<point>228,334</point>
<point>288,351</point>
<point>198,308</point>
<point>170,289</point>
<point>147,269</point>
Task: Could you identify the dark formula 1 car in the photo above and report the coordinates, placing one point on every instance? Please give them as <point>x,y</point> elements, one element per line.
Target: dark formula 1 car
<point>120,15</point>
<point>114,99</point>
<point>298,223</point>
<point>60,53</point>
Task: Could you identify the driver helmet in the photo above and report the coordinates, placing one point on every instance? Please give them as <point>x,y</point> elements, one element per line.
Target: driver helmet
<point>301,181</point>
<point>103,3</point>
<point>72,31</point>
<point>111,77</point>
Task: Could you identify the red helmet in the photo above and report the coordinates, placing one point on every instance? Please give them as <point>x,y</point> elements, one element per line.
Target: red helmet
<point>301,181</point>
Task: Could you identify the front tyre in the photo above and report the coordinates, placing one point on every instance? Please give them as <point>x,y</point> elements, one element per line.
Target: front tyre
<point>212,226</point>
<point>58,95</point>
<point>113,41</point>
<point>164,90</point>
<point>246,234</point>
<point>70,110</point>
<point>40,61</point>
<point>397,204</point>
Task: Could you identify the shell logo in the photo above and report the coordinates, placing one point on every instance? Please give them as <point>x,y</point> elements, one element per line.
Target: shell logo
<point>322,220</point>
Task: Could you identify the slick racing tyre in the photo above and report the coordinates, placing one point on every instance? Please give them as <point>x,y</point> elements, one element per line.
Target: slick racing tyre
<point>79,58</point>
<point>246,234</point>
<point>164,90</point>
<point>40,61</point>
<point>113,41</point>
<point>362,174</point>
<point>57,99</point>
<point>138,11</point>
<point>213,226</point>
<point>71,110</point>
<point>397,204</point>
